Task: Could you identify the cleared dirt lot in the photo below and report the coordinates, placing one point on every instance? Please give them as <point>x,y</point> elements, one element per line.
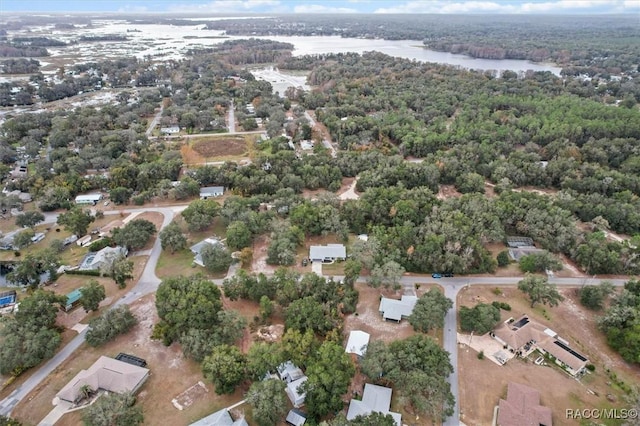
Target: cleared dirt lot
<point>214,148</point>
<point>559,391</point>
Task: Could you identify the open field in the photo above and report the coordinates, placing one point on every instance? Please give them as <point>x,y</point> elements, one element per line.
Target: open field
<point>200,150</point>
<point>559,390</point>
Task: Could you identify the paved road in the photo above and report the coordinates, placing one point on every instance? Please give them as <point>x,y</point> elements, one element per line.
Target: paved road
<point>154,122</point>
<point>325,142</point>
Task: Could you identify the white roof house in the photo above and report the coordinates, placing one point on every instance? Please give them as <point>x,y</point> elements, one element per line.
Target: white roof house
<point>357,343</point>
<point>375,399</point>
<point>196,249</point>
<point>211,192</point>
<point>395,310</point>
<point>220,418</point>
<point>88,198</point>
<point>108,374</point>
<point>327,253</point>
<point>295,394</point>
<point>170,130</point>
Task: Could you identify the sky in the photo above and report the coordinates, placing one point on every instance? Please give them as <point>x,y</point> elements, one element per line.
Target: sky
<point>214,7</point>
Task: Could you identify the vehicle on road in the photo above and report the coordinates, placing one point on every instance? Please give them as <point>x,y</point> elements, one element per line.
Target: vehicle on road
<point>436,275</point>
<point>447,275</point>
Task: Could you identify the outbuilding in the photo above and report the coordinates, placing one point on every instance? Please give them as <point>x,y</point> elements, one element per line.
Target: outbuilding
<point>88,199</point>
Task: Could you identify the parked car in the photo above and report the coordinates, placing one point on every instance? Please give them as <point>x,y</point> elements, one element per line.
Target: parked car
<point>447,275</point>
<point>436,275</point>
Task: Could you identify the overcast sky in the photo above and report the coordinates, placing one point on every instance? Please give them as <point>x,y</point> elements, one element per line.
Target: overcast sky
<point>327,6</point>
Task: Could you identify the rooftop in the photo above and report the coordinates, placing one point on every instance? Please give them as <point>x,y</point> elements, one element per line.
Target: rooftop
<point>395,310</point>
<point>522,408</point>
<point>330,251</point>
<point>357,343</point>
<point>374,399</point>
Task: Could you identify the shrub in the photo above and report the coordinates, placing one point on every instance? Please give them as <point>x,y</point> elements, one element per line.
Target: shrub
<point>501,305</point>
<point>591,367</point>
<point>91,273</point>
<point>503,258</point>
<point>100,244</point>
<point>109,325</point>
<point>481,355</point>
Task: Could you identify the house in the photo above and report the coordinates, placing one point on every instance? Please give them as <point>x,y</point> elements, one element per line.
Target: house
<point>70,239</point>
<point>196,249</point>
<point>73,299</point>
<point>107,374</point>
<point>296,418</point>
<point>211,192</point>
<point>102,259</point>
<point>523,336</point>
<point>375,399</point>
<point>306,145</point>
<point>84,241</point>
<point>88,199</point>
<point>328,253</point>
<point>294,377</point>
<point>171,130</point>
<point>38,236</point>
<point>521,246</point>
<point>357,343</point>
<point>396,310</point>
<point>220,418</point>
<point>522,408</point>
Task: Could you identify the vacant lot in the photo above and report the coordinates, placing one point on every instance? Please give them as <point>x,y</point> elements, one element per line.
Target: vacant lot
<point>214,148</point>
<point>559,391</point>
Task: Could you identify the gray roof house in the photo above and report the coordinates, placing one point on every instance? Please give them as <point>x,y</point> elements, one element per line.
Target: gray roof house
<point>295,394</point>
<point>196,249</point>
<point>395,310</point>
<point>294,377</point>
<point>289,372</point>
<point>207,192</point>
<point>296,418</point>
<point>108,374</point>
<point>375,399</point>
<point>220,418</point>
<point>328,253</point>
<point>102,259</point>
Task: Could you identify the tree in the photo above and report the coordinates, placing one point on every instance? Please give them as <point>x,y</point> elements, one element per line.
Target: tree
<point>263,358</point>
<point>216,257</point>
<point>92,294</point>
<point>352,269</point>
<point>23,239</point>
<point>200,214</point>
<point>592,296</point>
<point>387,275</point>
<point>120,195</point>
<point>225,367</point>
<point>430,311</point>
<point>113,409</point>
<point>480,319</point>
<point>299,347</point>
<point>266,308</point>
<point>540,290</point>
<point>29,219</point>
<point>503,258</point>
<point>329,375</point>
<point>172,238</point>
<point>307,314</point>
<point>76,220</point>
<point>187,302</point>
<point>372,419</point>
<point>539,262</point>
<point>27,272</point>
<point>268,401</point>
<point>238,235</point>
<point>135,234</point>
<point>120,270</point>
<point>109,325</point>
<point>8,421</point>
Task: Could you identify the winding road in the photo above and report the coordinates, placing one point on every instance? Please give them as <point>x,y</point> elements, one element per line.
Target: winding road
<point>149,282</point>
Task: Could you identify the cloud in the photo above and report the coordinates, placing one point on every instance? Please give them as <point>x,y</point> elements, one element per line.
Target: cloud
<point>226,6</point>
<point>317,8</point>
<point>422,6</point>
<point>133,8</point>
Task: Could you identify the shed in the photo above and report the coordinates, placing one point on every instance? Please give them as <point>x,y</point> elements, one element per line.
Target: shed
<point>296,418</point>
<point>211,192</point>
<point>73,299</point>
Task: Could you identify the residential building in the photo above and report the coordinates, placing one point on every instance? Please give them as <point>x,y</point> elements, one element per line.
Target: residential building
<point>106,374</point>
<point>73,299</point>
<point>103,259</point>
<point>396,310</point>
<point>220,418</point>
<point>522,408</point>
<point>296,418</point>
<point>357,343</point>
<point>328,253</point>
<point>523,336</point>
<point>375,399</point>
<point>170,130</point>
<point>88,199</point>
<point>38,236</point>
<point>196,249</point>
<point>294,377</point>
<point>211,192</point>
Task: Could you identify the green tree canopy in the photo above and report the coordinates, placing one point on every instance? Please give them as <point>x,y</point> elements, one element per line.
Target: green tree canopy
<point>238,235</point>
<point>225,367</point>
<point>540,290</point>
<point>113,409</point>
<point>29,219</point>
<point>92,294</point>
<point>200,214</point>
<point>135,234</point>
<point>268,401</point>
<point>109,325</point>
<point>430,311</point>
<point>593,296</point>
<point>76,220</point>
<point>480,319</point>
<point>172,238</point>
<point>216,257</point>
